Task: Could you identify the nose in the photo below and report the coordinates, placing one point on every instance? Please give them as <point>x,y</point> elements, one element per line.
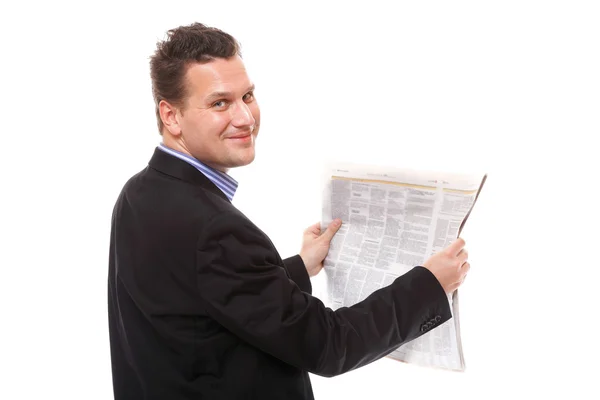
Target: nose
<point>242,115</point>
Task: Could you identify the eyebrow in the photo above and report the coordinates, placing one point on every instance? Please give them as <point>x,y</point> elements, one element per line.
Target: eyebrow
<point>218,95</point>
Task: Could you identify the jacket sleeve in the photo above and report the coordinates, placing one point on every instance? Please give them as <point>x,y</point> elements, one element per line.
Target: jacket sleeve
<point>298,273</point>
<point>244,288</point>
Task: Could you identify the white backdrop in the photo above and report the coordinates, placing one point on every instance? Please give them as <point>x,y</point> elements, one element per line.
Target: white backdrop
<point>510,88</point>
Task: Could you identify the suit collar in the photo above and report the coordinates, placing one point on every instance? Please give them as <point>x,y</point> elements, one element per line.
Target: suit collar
<point>182,170</point>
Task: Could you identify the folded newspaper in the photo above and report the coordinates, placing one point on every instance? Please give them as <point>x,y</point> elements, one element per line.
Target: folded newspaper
<point>393,220</point>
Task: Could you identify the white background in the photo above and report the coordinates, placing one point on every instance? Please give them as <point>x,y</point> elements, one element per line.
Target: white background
<point>511,88</point>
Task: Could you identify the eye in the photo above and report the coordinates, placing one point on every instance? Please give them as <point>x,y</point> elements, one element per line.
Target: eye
<point>249,96</point>
<point>219,104</point>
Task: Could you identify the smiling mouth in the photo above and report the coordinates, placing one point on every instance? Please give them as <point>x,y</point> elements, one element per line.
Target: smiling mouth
<point>244,135</point>
<point>240,136</point>
<point>241,139</point>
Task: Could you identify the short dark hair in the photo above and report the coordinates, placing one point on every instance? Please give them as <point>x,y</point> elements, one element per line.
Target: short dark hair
<point>185,45</point>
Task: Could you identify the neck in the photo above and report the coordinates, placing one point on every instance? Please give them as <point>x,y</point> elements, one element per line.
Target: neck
<point>180,147</point>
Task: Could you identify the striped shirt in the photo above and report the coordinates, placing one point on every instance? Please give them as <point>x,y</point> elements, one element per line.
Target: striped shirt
<point>227,184</point>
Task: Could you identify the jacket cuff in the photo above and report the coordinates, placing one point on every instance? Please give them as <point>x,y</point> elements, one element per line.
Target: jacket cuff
<point>438,311</point>
<point>298,273</point>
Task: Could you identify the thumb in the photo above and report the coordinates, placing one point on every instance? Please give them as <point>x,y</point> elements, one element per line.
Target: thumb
<point>455,247</point>
<point>331,230</point>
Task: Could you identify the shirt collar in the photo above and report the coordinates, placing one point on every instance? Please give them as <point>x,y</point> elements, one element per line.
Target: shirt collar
<point>226,183</point>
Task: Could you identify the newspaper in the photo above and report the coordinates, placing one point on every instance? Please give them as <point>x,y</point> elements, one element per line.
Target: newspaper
<point>393,220</point>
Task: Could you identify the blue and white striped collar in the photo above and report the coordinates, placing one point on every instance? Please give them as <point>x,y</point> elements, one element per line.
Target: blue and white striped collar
<point>227,184</point>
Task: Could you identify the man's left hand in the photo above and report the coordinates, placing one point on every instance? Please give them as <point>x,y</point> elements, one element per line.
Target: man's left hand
<point>315,245</point>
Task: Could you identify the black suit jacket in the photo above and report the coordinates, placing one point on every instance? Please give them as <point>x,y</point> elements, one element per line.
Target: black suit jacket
<point>201,305</point>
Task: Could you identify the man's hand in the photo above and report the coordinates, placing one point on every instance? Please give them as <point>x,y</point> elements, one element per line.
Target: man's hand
<point>450,265</point>
<point>315,245</point>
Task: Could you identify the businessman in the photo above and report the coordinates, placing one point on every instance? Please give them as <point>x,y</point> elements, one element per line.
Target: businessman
<point>201,305</point>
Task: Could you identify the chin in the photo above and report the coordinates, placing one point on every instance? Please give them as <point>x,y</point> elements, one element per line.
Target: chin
<point>242,160</point>
<point>247,160</point>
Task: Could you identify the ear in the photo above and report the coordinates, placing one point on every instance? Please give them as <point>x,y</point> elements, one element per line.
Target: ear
<point>168,115</point>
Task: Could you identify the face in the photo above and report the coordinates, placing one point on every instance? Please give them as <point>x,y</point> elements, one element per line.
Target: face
<point>219,122</point>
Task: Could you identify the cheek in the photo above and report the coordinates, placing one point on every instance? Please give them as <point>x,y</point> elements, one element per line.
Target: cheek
<point>256,113</point>
<point>189,124</point>
<point>212,126</point>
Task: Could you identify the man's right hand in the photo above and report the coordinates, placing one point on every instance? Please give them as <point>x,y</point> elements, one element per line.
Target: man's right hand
<point>450,265</point>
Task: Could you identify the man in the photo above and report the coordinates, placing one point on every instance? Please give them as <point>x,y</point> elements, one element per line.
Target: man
<point>201,305</point>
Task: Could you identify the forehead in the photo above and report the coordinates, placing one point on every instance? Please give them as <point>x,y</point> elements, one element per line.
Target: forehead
<point>222,75</point>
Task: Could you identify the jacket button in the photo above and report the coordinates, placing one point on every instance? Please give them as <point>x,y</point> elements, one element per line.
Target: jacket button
<point>438,318</point>
<point>424,328</point>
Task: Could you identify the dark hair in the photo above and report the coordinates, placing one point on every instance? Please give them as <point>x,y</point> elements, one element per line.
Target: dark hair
<point>195,43</point>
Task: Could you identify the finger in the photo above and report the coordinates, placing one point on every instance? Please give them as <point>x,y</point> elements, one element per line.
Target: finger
<point>315,228</point>
<point>463,256</point>
<point>455,247</point>
<point>333,227</point>
<point>465,268</point>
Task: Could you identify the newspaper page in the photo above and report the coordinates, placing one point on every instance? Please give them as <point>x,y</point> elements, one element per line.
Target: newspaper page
<point>393,220</point>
